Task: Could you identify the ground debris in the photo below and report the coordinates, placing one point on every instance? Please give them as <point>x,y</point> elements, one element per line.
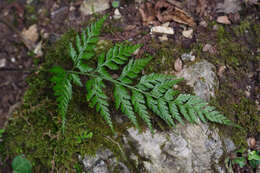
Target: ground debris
<point>162,12</point>
<point>223,20</point>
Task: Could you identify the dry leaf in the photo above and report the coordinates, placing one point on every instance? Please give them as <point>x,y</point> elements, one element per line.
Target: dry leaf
<point>166,12</point>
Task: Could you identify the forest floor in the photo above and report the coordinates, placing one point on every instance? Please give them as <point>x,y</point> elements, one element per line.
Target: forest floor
<point>231,43</point>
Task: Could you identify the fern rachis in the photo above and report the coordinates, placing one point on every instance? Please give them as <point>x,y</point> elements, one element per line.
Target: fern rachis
<point>132,95</point>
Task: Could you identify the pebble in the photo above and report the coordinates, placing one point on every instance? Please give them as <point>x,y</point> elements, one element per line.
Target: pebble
<point>162,29</point>
<point>163,38</point>
<point>187,33</point>
<point>2,63</point>
<point>188,57</point>
<point>117,14</point>
<point>89,7</point>
<point>178,65</point>
<point>209,48</point>
<point>223,20</point>
<point>203,23</point>
<point>38,50</point>
<point>31,33</point>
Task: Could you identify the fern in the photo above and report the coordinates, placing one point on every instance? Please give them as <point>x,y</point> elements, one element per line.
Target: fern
<point>132,95</point>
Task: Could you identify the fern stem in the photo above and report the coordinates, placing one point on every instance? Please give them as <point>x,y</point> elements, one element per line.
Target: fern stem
<point>116,82</point>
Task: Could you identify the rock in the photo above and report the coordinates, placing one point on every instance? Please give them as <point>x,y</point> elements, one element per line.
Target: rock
<point>209,48</point>
<point>139,1</point>
<point>188,57</point>
<point>103,162</point>
<point>229,6</point>
<point>38,50</point>
<point>89,7</point>
<point>163,38</point>
<point>117,14</point>
<point>201,76</point>
<point>178,65</point>
<point>221,70</point>
<point>2,63</point>
<point>203,23</point>
<point>187,33</point>
<point>30,36</point>
<point>223,20</point>
<point>162,29</point>
<point>190,148</point>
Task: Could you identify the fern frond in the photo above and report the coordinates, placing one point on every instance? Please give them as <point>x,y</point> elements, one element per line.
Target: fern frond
<point>192,108</point>
<point>158,108</point>
<point>139,103</point>
<point>148,82</point>
<point>153,92</point>
<point>123,101</point>
<point>117,55</point>
<point>132,69</point>
<point>85,44</point>
<point>63,91</point>
<point>97,97</point>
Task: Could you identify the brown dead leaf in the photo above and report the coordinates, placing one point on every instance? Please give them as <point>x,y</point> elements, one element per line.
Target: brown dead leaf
<point>148,14</point>
<point>166,12</point>
<point>163,12</point>
<point>201,7</point>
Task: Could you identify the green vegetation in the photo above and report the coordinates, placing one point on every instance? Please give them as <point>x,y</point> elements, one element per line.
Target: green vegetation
<point>243,157</point>
<point>153,91</point>
<point>21,165</point>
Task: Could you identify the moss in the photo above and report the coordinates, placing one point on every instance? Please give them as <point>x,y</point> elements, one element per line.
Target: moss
<point>34,129</point>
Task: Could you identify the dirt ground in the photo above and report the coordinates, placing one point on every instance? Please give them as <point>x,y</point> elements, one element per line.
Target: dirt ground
<point>54,18</point>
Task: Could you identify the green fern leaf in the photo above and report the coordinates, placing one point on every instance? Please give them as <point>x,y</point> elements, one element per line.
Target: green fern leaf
<point>63,91</point>
<point>148,82</point>
<point>76,80</point>
<point>85,44</point>
<point>123,101</point>
<point>97,97</point>
<point>160,109</point>
<point>118,55</point>
<point>132,69</point>
<point>139,103</point>
<point>175,112</point>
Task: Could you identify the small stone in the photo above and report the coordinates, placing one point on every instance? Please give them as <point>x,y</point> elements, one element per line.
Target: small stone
<point>72,8</point>
<point>2,63</point>
<point>188,57</point>
<point>163,38</point>
<point>247,93</point>
<point>251,142</point>
<point>178,65</point>
<point>223,20</point>
<point>221,70</point>
<point>117,14</point>
<point>13,60</point>
<point>162,29</point>
<point>38,50</point>
<point>215,27</point>
<point>187,33</point>
<point>203,23</point>
<point>30,36</point>
<point>93,6</point>
<point>209,48</point>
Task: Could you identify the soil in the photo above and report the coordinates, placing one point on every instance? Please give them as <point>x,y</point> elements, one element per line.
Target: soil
<point>53,18</point>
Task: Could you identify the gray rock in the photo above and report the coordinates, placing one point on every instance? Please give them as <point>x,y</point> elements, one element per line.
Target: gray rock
<point>202,77</point>
<point>94,6</point>
<point>103,162</point>
<point>188,149</point>
<point>2,63</point>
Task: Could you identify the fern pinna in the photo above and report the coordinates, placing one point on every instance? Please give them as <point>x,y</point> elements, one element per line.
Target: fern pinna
<point>152,92</point>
